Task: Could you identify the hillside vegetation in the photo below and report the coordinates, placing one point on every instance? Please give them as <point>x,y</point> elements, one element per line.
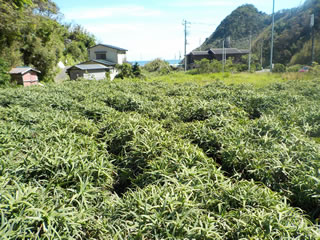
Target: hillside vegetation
<point>292,33</point>
<point>155,160</point>
<point>237,26</point>
<point>31,35</point>
<point>292,42</point>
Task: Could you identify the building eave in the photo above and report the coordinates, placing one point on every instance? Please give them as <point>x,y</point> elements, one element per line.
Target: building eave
<point>110,46</point>
<point>26,70</point>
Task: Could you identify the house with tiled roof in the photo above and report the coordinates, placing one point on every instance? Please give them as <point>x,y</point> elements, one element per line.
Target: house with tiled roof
<point>102,61</point>
<point>217,54</point>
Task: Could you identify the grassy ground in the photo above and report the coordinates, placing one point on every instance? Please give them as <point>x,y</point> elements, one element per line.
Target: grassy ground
<point>256,79</point>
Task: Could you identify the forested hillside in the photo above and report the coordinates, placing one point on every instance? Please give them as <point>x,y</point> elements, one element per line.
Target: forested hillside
<point>292,42</point>
<point>31,33</point>
<point>236,27</point>
<point>292,33</point>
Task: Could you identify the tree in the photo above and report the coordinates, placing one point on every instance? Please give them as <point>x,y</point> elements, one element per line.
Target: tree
<point>21,3</point>
<point>4,69</point>
<point>136,70</point>
<point>31,35</point>
<point>125,71</point>
<point>279,68</point>
<point>158,65</point>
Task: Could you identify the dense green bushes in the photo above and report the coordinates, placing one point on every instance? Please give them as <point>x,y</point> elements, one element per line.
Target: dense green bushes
<point>138,160</point>
<point>128,71</point>
<point>158,66</point>
<point>294,68</point>
<point>279,68</point>
<point>4,69</point>
<point>215,66</point>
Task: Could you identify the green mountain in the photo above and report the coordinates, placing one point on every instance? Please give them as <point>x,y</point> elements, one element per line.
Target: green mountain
<point>237,27</point>
<point>293,38</point>
<point>292,41</point>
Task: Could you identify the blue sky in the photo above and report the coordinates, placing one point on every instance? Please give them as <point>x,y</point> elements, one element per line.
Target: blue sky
<point>150,28</point>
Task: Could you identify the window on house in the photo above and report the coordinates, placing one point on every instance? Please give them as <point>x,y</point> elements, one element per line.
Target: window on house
<point>101,56</point>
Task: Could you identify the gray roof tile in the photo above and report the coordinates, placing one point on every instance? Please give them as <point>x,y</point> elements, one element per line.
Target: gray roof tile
<point>90,66</point>
<point>200,53</point>
<point>104,62</point>
<point>22,70</point>
<point>219,51</point>
<point>110,46</point>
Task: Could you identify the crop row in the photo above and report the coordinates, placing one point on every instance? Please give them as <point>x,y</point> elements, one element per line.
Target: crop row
<point>137,160</point>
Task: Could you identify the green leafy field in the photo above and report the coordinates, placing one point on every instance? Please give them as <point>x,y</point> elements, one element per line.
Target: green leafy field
<point>258,80</point>
<point>160,160</point>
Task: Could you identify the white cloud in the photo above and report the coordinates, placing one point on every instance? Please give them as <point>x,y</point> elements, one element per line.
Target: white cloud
<point>105,12</point>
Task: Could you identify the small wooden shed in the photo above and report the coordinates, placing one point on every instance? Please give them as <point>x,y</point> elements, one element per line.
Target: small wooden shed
<point>25,76</point>
<point>88,71</point>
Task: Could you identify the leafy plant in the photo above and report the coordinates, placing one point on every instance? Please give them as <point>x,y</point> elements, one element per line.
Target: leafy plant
<point>4,69</point>
<point>156,160</point>
<point>279,68</point>
<point>160,66</point>
<point>125,71</point>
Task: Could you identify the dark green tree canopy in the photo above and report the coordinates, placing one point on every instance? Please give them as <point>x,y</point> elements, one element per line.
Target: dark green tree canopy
<point>30,34</point>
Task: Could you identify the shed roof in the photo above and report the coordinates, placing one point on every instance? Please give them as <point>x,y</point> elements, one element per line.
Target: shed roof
<point>104,62</point>
<point>99,61</point>
<point>219,51</point>
<point>110,46</point>
<point>90,66</point>
<point>22,70</point>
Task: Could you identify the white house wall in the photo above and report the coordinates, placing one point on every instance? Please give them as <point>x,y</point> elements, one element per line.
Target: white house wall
<point>111,54</point>
<point>94,75</point>
<point>121,58</point>
<point>113,73</point>
<point>89,74</point>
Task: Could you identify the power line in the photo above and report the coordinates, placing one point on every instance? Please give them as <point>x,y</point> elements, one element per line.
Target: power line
<point>185,23</point>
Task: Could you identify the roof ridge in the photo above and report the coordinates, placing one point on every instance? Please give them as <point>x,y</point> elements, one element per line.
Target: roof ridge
<point>22,70</point>
<point>110,46</point>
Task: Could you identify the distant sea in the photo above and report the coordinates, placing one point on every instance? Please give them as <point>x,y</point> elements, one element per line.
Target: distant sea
<point>142,63</point>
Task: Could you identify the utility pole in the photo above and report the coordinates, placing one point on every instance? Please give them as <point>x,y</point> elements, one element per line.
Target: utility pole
<point>250,53</point>
<point>225,56</point>
<point>261,50</point>
<point>312,27</point>
<point>185,23</point>
<point>272,36</point>
<point>223,62</point>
